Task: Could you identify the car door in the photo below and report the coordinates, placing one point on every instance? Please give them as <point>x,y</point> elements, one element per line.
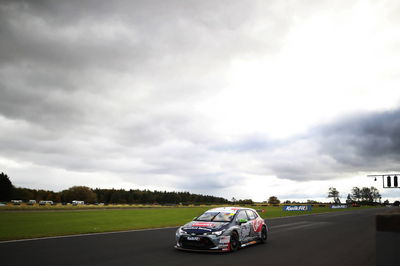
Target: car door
<point>254,224</point>
<point>245,228</point>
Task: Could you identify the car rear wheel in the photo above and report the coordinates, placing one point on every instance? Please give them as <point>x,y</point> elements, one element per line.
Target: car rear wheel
<point>234,242</point>
<point>264,235</point>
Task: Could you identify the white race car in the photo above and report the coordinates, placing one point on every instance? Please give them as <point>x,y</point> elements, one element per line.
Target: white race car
<point>222,229</point>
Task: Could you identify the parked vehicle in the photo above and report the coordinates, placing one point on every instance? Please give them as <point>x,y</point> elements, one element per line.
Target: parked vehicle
<point>78,202</point>
<point>31,202</point>
<point>46,202</point>
<point>222,229</point>
<point>16,202</point>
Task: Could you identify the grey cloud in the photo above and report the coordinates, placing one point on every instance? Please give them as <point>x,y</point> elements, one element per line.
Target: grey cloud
<point>52,52</point>
<point>368,141</point>
<point>124,33</point>
<point>109,86</point>
<point>358,143</point>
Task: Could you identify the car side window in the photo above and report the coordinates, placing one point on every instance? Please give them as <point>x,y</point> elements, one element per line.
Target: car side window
<point>241,215</point>
<point>251,215</point>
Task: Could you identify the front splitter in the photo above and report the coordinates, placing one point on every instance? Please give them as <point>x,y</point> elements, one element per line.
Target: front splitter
<point>202,250</point>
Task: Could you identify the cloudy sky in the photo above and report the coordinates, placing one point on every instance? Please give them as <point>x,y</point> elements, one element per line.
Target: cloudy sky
<point>243,99</point>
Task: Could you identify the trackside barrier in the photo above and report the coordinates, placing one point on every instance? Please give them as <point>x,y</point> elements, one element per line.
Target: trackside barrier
<point>297,208</point>
<point>338,206</point>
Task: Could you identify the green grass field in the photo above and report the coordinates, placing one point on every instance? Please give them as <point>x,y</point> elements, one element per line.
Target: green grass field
<point>31,224</point>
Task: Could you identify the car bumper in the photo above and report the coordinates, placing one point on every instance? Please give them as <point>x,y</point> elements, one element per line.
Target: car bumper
<point>204,243</point>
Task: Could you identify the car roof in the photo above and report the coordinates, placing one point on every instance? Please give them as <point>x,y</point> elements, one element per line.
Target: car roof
<point>228,209</point>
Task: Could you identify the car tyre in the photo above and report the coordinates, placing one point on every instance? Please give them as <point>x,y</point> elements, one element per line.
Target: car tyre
<point>234,242</point>
<point>264,235</point>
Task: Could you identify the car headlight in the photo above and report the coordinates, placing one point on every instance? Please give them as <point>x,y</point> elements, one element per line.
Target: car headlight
<point>217,233</point>
<point>180,231</point>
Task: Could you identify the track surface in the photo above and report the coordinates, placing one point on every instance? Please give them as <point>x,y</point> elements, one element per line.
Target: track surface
<point>341,238</point>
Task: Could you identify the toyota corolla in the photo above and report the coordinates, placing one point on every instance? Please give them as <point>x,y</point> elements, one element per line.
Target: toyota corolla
<point>222,229</point>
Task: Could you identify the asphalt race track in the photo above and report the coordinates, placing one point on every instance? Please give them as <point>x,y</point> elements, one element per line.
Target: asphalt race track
<point>342,238</point>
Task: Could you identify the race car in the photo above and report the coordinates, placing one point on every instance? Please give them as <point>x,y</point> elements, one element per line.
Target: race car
<point>222,229</point>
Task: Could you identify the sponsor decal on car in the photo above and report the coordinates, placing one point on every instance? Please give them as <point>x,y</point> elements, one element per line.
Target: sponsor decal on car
<point>203,224</point>
<point>257,225</point>
<point>224,243</point>
<point>297,208</point>
<point>225,239</point>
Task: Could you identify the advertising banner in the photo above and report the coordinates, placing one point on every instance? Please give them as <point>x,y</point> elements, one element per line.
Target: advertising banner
<point>338,206</point>
<point>297,208</point>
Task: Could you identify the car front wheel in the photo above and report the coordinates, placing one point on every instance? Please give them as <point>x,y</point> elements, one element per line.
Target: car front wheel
<point>234,243</point>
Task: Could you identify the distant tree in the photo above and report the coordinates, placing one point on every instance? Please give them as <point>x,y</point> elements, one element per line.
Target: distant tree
<point>79,193</point>
<point>6,188</point>
<point>366,194</point>
<point>386,202</point>
<point>233,200</point>
<point>287,202</point>
<point>23,193</point>
<point>245,202</point>
<point>375,195</point>
<point>349,200</point>
<point>333,193</point>
<point>356,193</point>
<point>396,203</point>
<point>273,200</point>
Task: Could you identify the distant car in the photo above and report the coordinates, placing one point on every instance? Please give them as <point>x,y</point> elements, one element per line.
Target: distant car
<point>78,202</point>
<point>31,202</point>
<point>45,202</point>
<point>16,202</point>
<point>222,229</point>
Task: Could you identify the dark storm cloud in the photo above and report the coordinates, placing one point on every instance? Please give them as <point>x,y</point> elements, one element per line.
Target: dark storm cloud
<point>365,142</point>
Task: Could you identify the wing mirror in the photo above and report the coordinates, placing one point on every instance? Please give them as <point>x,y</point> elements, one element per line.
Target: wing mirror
<point>242,221</point>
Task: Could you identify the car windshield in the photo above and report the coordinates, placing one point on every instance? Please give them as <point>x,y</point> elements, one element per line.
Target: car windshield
<point>216,216</point>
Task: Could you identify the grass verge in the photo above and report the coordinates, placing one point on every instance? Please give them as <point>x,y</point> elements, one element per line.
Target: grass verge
<point>32,224</point>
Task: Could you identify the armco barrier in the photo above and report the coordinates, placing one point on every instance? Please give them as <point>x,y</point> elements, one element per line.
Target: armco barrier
<point>297,208</point>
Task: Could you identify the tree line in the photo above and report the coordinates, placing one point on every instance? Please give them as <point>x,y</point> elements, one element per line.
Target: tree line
<point>106,196</point>
<point>365,195</point>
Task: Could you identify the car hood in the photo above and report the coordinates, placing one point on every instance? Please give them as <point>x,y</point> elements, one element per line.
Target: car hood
<point>204,227</point>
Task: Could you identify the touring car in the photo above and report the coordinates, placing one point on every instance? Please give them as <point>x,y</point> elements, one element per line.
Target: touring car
<point>222,229</point>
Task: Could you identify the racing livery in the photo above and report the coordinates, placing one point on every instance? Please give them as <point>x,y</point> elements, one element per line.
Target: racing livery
<point>222,229</point>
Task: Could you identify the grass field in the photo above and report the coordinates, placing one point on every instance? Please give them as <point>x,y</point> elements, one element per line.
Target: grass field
<point>31,224</point>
